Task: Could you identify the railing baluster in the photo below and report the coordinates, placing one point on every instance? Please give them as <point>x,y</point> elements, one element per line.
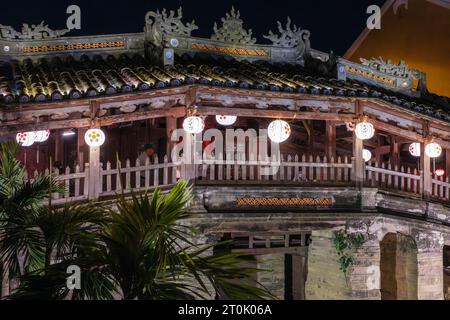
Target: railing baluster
<point>339,170</point>
<point>156,172</point>
<point>416,181</point>
<point>127,175</point>
<point>389,182</point>
<point>108,177</point>
<point>77,182</point>
<point>332,169</point>
<point>138,174</point>
<point>166,171</point>
<point>147,173</point>
<point>447,193</point>
<point>236,168</point>
<point>118,176</point>
<point>220,171</point>
<point>402,179</point>
<point>289,169</point>
<point>325,169</point>
<point>311,168</point>
<point>299,173</point>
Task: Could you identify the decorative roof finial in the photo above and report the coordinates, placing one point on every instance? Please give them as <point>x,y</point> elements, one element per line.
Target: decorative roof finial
<point>232,30</point>
<point>291,37</point>
<point>35,32</point>
<point>159,24</point>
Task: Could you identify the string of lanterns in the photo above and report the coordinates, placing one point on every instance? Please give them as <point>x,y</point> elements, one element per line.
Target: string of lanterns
<point>432,150</point>
<point>26,139</point>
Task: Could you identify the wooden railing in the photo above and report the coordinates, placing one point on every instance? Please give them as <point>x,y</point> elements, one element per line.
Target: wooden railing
<point>393,178</point>
<point>290,170</point>
<point>140,177</point>
<point>74,185</point>
<point>441,188</point>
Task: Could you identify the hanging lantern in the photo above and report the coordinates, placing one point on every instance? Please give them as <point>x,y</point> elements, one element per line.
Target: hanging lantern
<point>25,139</point>
<point>367,155</point>
<point>279,131</point>
<point>193,124</point>
<point>439,172</point>
<point>433,150</point>
<point>94,137</point>
<point>414,149</point>
<point>364,130</point>
<point>41,136</point>
<point>226,120</point>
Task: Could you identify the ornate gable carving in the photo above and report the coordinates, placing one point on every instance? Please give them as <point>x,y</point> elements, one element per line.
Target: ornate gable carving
<point>159,24</point>
<point>232,30</point>
<point>35,32</point>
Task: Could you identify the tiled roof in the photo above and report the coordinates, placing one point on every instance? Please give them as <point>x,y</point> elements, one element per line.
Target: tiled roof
<point>69,78</point>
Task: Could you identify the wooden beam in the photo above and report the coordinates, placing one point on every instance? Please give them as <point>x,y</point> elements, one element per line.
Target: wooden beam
<point>275,114</point>
<point>103,121</point>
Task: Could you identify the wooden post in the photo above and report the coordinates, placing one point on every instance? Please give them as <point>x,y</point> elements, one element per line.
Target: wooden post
<point>425,165</point>
<point>94,173</point>
<point>331,139</point>
<point>298,277</point>
<point>395,152</point>
<point>358,164</point>
<point>171,125</point>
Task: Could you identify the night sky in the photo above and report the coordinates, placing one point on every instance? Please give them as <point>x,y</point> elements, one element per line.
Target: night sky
<point>334,24</point>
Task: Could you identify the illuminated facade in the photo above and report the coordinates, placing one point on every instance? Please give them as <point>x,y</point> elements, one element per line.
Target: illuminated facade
<point>139,88</point>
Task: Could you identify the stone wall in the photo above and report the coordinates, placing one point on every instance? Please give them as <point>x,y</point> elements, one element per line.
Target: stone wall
<point>325,281</point>
<point>274,278</point>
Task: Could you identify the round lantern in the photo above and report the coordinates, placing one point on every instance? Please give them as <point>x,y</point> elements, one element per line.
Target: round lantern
<point>279,131</point>
<point>433,150</point>
<point>41,136</point>
<point>367,155</point>
<point>439,172</point>
<point>25,139</point>
<point>414,149</point>
<point>226,120</point>
<point>94,137</point>
<point>364,130</point>
<point>193,124</point>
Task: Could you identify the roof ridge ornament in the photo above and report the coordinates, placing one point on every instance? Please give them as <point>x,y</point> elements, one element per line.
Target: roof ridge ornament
<point>159,24</point>
<point>35,32</point>
<point>291,37</point>
<point>399,70</point>
<point>232,30</point>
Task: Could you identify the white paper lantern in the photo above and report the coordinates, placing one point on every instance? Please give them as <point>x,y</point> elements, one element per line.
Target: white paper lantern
<point>41,135</point>
<point>193,124</point>
<point>367,155</point>
<point>226,120</point>
<point>433,150</point>
<point>439,172</point>
<point>25,139</point>
<point>364,130</point>
<point>279,131</point>
<point>94,137</point>
<point>414,149</point>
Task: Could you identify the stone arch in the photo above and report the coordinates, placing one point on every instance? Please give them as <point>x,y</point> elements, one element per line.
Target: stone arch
<point>398,267</point>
